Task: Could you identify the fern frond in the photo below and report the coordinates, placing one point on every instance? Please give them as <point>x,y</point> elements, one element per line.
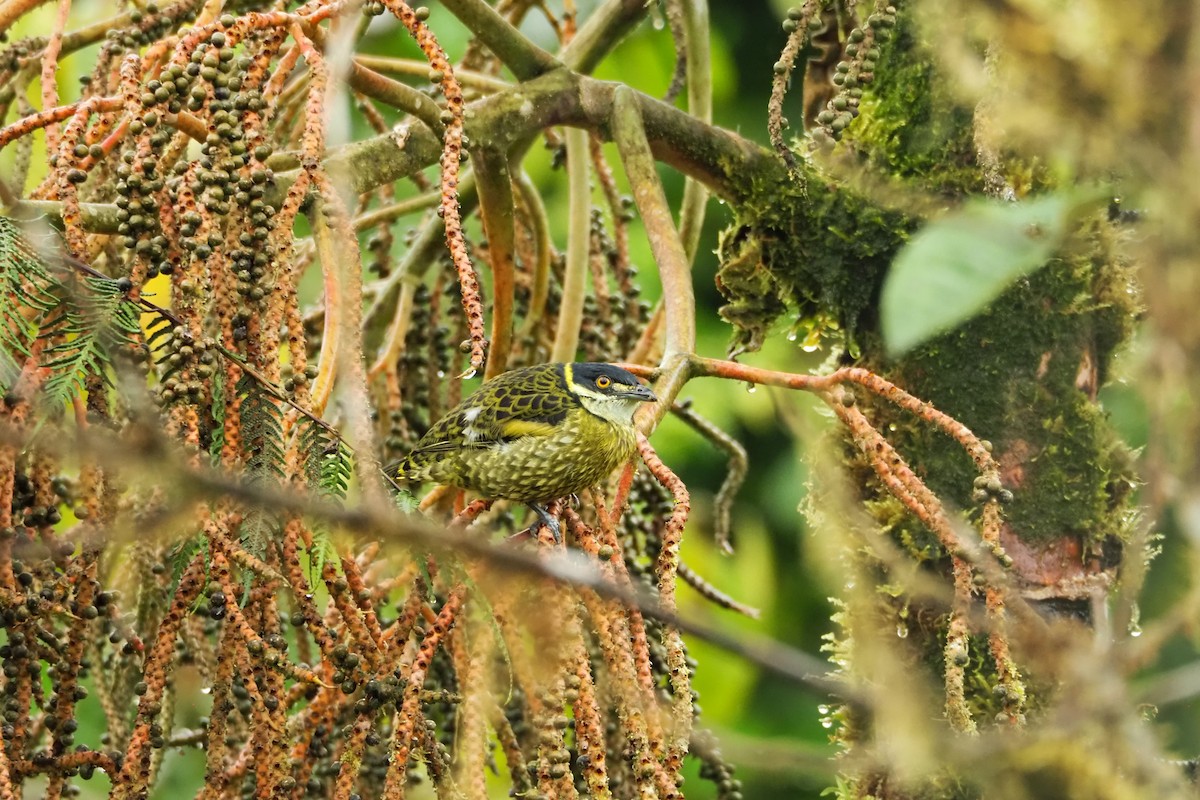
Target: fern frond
<point>73,361</point>
<point>322,552</point>
<point>263,451</point>
<point>406,501</point>
<point>312,440</point>
<point>328,463</point>
<point>216,441</point>
<point>91,323</point>
<point>262,431</point>
<point>337,468</point>
<point>258,531</point>
<point>182,553</point>
<point>87,319</point>
<point>27,292</point>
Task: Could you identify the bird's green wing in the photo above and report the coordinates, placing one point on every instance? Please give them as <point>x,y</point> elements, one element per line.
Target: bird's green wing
<point>524,402</point>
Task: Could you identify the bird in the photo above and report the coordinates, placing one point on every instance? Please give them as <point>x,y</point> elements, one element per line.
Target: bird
<point>533,435</point>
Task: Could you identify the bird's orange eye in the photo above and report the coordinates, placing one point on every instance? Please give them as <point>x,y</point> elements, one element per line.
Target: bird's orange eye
<point>604,382</point>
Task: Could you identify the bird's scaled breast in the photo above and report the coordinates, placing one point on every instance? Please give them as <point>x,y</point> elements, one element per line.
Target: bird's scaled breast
<point>580,453</point>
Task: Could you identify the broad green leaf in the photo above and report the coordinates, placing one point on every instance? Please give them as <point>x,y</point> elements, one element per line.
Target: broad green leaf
<point>953,267</point>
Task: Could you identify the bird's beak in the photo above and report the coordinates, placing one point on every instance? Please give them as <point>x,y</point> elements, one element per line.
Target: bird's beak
<point>638,392</point>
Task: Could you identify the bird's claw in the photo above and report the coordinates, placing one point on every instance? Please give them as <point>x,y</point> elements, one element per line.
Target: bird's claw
<point>545,519</point>
<point>555,530</point>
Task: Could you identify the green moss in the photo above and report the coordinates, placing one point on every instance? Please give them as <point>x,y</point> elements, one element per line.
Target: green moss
<point>821,250</point>
<point>1012,374</point>
<point>1023,375</point>
<point>910,127</point>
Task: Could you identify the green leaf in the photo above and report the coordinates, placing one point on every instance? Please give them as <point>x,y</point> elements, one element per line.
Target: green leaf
<point>406,501</point>
<point>953,267</point>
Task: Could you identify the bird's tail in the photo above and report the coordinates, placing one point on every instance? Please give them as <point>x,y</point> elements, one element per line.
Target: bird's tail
<point>398,471</point>
<point>410,470</point>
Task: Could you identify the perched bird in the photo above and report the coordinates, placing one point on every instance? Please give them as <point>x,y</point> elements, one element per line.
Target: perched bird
<point>533,435</point>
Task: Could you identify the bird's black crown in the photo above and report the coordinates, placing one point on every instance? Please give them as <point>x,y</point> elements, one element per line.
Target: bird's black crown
<point>587,372</point>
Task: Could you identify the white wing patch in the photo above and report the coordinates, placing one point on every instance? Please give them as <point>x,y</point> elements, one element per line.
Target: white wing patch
<point>469,416</point>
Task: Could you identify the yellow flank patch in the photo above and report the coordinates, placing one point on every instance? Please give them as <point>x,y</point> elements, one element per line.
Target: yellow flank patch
<point>515,428</point>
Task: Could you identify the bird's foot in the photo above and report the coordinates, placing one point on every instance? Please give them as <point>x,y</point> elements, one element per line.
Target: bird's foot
<point>547,520</point>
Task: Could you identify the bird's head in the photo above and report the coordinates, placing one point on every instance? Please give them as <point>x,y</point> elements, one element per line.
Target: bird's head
<point>607,391</point>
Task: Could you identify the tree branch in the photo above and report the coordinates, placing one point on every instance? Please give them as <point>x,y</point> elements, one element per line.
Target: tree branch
<point>698,60</point>
<point>523,57</point>
<point>673,266</point>
<point>497,210</point>
<point>607,26</point>
<point>731,166</point>
<point>570,313</point>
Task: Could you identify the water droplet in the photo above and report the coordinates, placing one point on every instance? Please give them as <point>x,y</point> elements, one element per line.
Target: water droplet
<point>792,336</point>
<point>826,723</point>
<point>441,373</point>
<point>810,348</point>
<point>1135,621</point>
<point>751,388</point>
<point>902,631</point>
<point>656,18</point>
<point>206,690</point>
<point>822,709</point>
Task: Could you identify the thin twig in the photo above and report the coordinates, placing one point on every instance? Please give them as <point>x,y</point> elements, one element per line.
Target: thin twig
<point>420,69</point>
<point>390,213</point>
<point>713,594</point>
<point>735,471</point>
<point>698,60</point>
<point>607,26</point>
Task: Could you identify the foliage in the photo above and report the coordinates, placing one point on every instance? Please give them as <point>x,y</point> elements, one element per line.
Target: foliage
<point>27,285</point>
<point>84,321</point>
